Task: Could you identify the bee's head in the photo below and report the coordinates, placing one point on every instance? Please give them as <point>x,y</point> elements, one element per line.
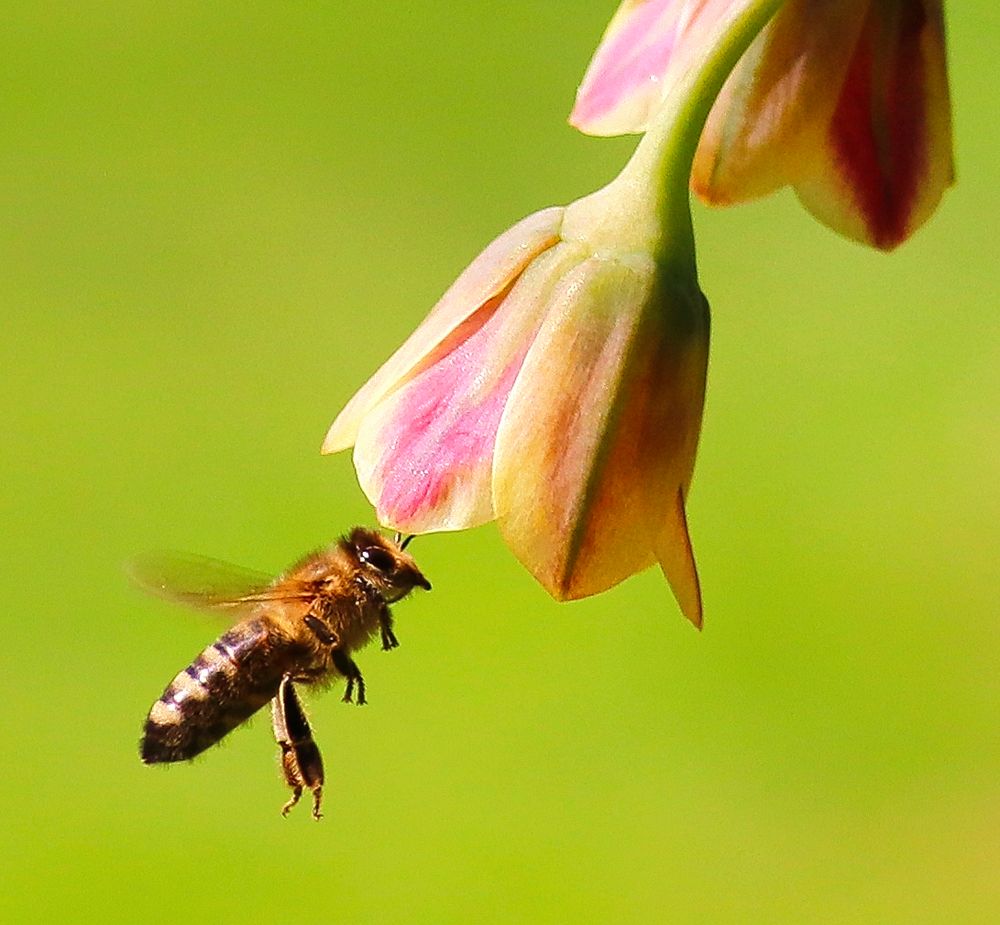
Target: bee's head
<point>385,563</point>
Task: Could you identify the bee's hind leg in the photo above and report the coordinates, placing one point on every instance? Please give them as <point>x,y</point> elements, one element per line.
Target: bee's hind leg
<point>301,760</point>
<point>296,793</point>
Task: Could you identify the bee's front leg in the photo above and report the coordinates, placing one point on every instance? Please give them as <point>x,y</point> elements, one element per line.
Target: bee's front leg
<point>389,640</point>
<point>349,669</point>
<point>301,760</point>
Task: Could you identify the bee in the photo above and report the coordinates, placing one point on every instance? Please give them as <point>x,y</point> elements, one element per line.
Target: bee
<point>300,628</point>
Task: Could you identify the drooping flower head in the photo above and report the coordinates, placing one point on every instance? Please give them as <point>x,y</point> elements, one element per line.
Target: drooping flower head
<point>558,385</point>
<point>844,100</point>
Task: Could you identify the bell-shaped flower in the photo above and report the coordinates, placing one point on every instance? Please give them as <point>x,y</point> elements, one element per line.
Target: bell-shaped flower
<point>557,387</point>
<point>844,100</point>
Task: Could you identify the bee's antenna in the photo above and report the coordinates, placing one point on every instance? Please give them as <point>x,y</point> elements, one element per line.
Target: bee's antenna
<point>397,536</point>
<point>406,542</point>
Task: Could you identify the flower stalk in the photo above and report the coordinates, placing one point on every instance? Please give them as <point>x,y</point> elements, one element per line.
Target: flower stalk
<point>649,199</point>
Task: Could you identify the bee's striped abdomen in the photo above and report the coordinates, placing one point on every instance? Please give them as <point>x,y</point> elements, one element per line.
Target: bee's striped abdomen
<point>224,686</point>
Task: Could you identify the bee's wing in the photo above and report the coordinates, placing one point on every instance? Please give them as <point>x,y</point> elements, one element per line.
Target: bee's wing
<point>207,583</point>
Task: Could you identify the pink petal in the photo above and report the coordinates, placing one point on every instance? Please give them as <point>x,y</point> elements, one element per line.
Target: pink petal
<point>647,43</point>
<point>424,453</point>
<point>453,319</point>
<point>622,85</point>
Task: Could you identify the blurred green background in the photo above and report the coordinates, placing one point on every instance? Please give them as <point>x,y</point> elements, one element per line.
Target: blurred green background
<point>217,220</point>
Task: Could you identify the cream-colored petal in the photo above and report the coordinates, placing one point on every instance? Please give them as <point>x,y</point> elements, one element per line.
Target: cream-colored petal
<point>559,422</point>
<point>479,287</point>
<point>600,428</point>
<point>765,125</point>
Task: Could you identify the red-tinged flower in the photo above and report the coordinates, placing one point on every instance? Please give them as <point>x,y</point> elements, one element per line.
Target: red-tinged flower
<point>845,100</point>
<point>557,387</point>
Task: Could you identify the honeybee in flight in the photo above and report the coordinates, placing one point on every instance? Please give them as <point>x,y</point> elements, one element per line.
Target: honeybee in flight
<point>301,628</point>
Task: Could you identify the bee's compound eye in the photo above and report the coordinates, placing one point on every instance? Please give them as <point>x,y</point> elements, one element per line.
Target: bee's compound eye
<point>377,558</point>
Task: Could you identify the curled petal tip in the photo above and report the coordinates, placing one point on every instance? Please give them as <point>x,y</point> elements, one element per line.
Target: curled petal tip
<point>339,437</point>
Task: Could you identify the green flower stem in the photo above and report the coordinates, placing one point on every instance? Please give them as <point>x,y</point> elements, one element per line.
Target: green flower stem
<point>659,171</point>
